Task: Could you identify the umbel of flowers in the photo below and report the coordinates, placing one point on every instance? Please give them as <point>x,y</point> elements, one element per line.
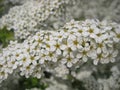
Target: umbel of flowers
<point>58,51</point>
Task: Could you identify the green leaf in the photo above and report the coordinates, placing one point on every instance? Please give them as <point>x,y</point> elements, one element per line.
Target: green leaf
<point>6,36</point>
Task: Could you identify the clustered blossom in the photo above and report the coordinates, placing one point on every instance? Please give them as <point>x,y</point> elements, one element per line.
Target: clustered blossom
<point>26,19</point>
<point>100,9</point>
<point>113,82</point>
<point>56,85</point>
<point>76,42</point>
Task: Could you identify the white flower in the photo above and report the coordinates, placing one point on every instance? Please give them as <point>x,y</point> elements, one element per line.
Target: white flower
<point>25,61</point>
<point>56,46</point>
<point>37,72</point>
<point>51,57</point>
<point>71,34</point>
<point>33,59</point>
<point>116,37</point>
<point>101,37</point>
<point>111,55</point>
<point>67,51</point>
<point>101,47</point>
<point>92,47</point>
<point>17,54</point>
<point>99,58</point>
<point>69,60</point>
<point>81,32</point>
<point>58,36</point>
<point>43,56</point>
<point>83,55</point>
<point>74,43</point>
<point>27,70</point>
<point>70,25</point>
<point>48,42</point>
<point>93,31</point>
<point>3,75</point>
<point>12,63</point>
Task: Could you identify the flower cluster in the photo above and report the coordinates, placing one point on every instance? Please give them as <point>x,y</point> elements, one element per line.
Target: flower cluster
<point>67,48</point>
<point>26,19</point>
<point>113,82</point>
<point>100,9</point>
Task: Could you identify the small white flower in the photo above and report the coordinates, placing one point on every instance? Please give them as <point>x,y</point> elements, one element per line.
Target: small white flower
<point>99,58</point>
<point>27,70</point>
<point>111,56</point>
<point>56,46</point>
<point>25,61</point>
<point>34,59</point>
<point>43,56</point>
<point>81,32</point>
<point>116,37</point>
<point>3,75</point>
<point>37,72</point>
<point>52,57</point>
<point>17,54</point>
<point>69,60</point>
<point>93,31</point>
<point>12,63</point>
<point>83,54</point>
<point>101,47</point>
<point>101,37</point>
<point>74,43</point>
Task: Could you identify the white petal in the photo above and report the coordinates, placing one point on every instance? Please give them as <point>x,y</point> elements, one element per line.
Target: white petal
<point>115,53</point>
<point>98,50</point>
<point>69,64</point>
<point>63,61</point>
<point>54,59</point>
<point>95,62</point>
<point>74,61</point>
<point>58,51</point>
<point>52,48</point>
<point>63,47</point>
<point>85,58</point>
<point>65,53</point>
<point>79,55</point>
<point>41,61</point>
<point>74,48</point>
